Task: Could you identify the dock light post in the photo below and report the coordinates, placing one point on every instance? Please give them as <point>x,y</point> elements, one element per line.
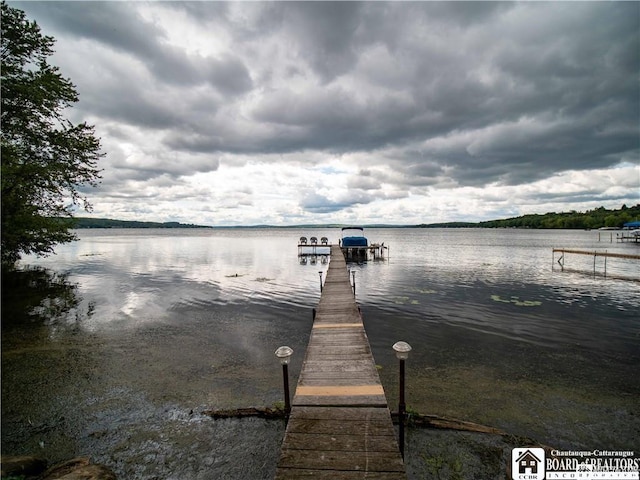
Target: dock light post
<point>284,354</point>
<point>402,350</point>
<point>320,273</point>
<point>353,275</point>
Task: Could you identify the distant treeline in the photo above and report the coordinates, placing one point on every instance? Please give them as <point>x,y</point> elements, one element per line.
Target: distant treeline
<point>83,222</point>
<point>591,219</point>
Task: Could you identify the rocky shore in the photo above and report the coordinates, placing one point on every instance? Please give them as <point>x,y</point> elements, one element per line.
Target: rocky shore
<point>34,468</point>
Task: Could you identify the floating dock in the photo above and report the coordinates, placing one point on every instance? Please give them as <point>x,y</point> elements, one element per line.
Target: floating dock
<point>340,425</point>
<point>376,250</point>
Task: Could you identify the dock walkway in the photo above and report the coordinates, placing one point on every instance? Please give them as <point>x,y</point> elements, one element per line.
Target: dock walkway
<point>340,426</point>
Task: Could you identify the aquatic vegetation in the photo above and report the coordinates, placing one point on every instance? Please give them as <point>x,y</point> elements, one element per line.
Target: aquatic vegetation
<point>516,301</point>
<point>405,301</point>
<point>445,466</point>
<point>423,290</point>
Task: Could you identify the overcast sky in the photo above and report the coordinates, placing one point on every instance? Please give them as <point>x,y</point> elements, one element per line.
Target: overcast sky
<point>317,112</point>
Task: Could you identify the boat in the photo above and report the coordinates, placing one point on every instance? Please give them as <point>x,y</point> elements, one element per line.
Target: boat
<point>353,237</point>
<point>630,232</point>
<point>355,246</point>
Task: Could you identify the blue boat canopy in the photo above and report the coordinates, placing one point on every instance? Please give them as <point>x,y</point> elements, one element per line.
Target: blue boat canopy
<point>635,224</point>
<point>353,237</point>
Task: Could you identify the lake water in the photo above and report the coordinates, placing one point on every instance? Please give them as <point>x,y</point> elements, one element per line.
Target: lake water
<point>142,330</point>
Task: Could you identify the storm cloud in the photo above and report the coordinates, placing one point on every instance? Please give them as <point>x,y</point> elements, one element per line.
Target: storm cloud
<point>315,110</point>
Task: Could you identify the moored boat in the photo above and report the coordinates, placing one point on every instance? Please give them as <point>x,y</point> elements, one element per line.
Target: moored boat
<point>353,237</point>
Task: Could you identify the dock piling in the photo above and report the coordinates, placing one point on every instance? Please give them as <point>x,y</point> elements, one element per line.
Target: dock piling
<point>353,275</point>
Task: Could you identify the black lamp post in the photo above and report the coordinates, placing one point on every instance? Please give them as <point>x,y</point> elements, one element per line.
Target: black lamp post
<point>353,275</point>
<point>402,350</point>
<point>284,354</point>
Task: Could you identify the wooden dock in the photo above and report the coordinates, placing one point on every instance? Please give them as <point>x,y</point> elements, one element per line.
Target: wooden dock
<point>628,236</point>
<point>593,253</point>
<point>357,253</point>
<point>340,425</point>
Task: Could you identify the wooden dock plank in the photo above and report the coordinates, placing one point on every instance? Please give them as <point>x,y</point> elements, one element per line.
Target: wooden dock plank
<point>351,377</point>
<point>342,401</point>
<point>346,461</point>
<point>351,443</point>
<point>343,427</point>
<point>340,426</point>
<point>378,414</point>
<point>301,473</point>
<point>333,365</point>
<point>337,350</point>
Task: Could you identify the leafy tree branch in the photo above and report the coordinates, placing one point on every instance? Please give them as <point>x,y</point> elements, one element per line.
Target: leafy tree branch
<point>45,157</point>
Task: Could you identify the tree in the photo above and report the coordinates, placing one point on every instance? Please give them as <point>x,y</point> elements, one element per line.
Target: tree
<point>46,159</point>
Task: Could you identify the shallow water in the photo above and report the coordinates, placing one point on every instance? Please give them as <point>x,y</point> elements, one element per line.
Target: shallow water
<point>150,327</point>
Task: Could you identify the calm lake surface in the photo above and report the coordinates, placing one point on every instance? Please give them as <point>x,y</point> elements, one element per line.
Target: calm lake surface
<point>142,330</point>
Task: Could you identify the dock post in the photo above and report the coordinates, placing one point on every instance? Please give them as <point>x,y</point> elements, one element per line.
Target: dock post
<point>353,275</point>
<point>561,259</point>
<point>287,396</point>
<point>402,350</point>
<point>320,273</point>
<point>401,410</point>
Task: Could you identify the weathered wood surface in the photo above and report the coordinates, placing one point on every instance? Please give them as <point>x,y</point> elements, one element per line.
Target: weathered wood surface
<point>415,419</point>
<point>340,426</point>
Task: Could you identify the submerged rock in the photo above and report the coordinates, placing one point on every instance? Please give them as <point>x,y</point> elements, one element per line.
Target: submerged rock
<point>79,468</point>
<point>30,467</point>
<point>27,466</point>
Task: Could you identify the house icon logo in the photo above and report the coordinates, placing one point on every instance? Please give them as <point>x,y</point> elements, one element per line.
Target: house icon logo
<point>527,464</point>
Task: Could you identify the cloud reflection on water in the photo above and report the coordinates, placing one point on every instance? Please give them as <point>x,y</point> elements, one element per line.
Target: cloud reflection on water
<point>191,318</point>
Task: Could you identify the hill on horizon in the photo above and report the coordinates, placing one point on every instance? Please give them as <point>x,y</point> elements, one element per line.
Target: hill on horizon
<point>591,219</point>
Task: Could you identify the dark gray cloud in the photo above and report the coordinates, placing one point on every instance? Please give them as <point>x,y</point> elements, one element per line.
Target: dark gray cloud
<point>317,203</point>
<point>114,24</point>
<point>325,31</point>
<point>118,26</point>
<point>443,94</point>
